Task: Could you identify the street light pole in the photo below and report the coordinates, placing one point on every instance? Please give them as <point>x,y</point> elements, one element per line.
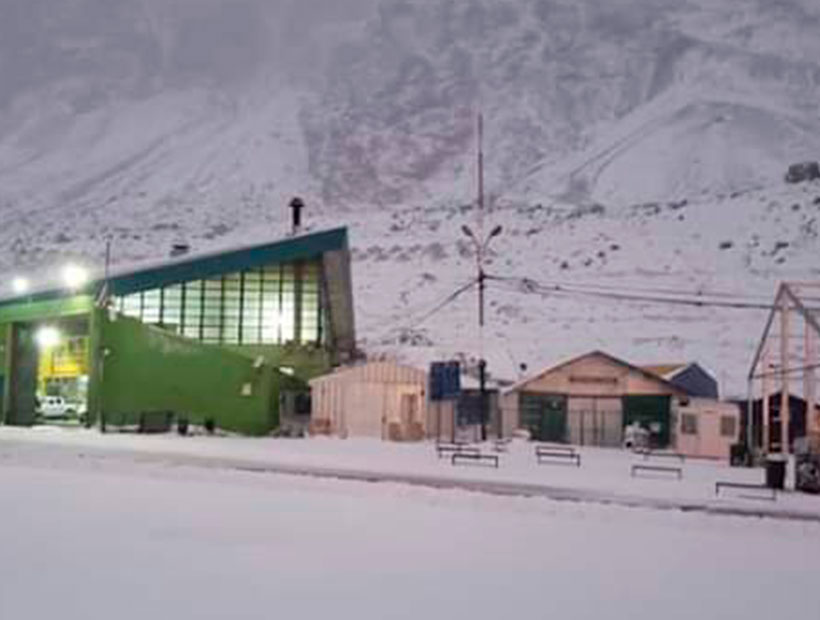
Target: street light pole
<point>480,249</point>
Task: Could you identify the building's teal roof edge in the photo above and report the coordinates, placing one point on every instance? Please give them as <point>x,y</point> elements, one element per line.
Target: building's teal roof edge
<point>303,247</point>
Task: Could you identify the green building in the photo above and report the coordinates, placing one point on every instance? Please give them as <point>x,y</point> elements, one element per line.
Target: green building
<point>230,338</point>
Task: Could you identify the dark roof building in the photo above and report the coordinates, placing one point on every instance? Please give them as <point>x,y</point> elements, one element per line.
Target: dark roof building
<point>690,377</point>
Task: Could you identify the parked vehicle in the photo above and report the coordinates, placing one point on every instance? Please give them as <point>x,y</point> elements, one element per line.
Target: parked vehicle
<point>54,407</point>
<point>636,437</point>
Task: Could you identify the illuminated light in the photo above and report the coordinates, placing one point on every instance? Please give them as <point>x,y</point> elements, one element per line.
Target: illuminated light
<point>75,277</point>
<point>47,337</point>
<point>20,286</point>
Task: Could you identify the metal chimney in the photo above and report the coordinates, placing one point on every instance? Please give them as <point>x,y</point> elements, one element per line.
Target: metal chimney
<point>296,206</point>
<point>180,248</point>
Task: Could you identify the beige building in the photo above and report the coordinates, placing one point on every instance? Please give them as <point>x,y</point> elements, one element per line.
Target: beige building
<point>384,400</point>
<point>707,428</point>
<point>588,401</point>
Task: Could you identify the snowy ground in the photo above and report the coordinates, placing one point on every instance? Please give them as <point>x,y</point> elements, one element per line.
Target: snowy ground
<point>116,538</point>
<point>605,476</point>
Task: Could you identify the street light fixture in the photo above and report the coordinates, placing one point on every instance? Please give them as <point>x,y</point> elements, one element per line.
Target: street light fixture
<point>47,337</point>
<point>75,277</point>
<point>20,286</point>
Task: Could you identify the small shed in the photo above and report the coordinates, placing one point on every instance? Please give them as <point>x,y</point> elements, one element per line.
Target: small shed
<point>385,400</point>
<point>707,428</point>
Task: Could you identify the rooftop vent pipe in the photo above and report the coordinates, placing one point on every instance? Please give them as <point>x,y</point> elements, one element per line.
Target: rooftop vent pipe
<point>296,206</point>
<point>180,249</point>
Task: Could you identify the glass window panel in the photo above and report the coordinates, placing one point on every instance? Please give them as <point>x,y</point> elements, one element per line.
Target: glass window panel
<point>251,335</point>
<point>193,309</point>
<point>728,426</point>
<point>232,310</point>
<point>132,305</point>
<point>310,330</point>
<point>172,306</point>
<point>689,424</point>
<point>270,335</point>
<point>151,306</point>
<point>230,334</point>
<point>211,334</point>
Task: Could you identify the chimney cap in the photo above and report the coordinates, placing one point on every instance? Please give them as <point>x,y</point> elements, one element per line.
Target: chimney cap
<point>180,248</point>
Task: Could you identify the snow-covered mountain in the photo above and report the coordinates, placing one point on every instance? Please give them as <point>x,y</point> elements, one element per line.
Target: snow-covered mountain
<point>149,120</point>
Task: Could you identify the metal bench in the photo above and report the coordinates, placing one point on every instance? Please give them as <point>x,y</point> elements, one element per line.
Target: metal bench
<point>554,455</point>
<point>475,457</point>
<point>658,468</point>
<point>446,449</point>
<point>555,447</point>
<point>772,493</point>
<point>647,454</point>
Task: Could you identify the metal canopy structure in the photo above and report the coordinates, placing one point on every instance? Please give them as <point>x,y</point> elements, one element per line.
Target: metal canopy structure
<point>786,363</point>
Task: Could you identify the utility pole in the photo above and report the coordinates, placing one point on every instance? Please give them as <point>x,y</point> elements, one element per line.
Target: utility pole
<point>785,414</point>
<point>481,244</point>
<point>482,363</point>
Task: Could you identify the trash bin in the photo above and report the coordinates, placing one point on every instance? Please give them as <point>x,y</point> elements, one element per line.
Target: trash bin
<point>776,471</point>
<point>738,456</point>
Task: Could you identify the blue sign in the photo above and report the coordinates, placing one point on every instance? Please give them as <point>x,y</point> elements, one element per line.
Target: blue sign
<point>445,380</point>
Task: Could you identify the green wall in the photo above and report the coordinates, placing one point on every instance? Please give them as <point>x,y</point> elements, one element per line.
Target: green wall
<point>145,369</point>
<point>45,310</point>
<point>307,363</point>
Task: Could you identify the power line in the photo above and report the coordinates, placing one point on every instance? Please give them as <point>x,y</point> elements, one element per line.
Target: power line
<point>789,371</point>
<point>450,299</point>
<point>438,307</point>
<point>530,286</point>
<point>659,290</point>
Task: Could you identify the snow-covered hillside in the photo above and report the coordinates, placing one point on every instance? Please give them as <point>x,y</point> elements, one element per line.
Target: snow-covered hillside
<point>636,143</point>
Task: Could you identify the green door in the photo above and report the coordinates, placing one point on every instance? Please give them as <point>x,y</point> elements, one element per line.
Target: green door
<point>545,416</point>
<point>653,414</point>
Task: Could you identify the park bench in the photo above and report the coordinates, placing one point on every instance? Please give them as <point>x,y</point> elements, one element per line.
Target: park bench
<point>446,449</point>
<point>474,457</point>
<point>658,468</point>
<point>555,446</point>
<point>557,454</point>
<point>771,493</point>
<point>647,454</point>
